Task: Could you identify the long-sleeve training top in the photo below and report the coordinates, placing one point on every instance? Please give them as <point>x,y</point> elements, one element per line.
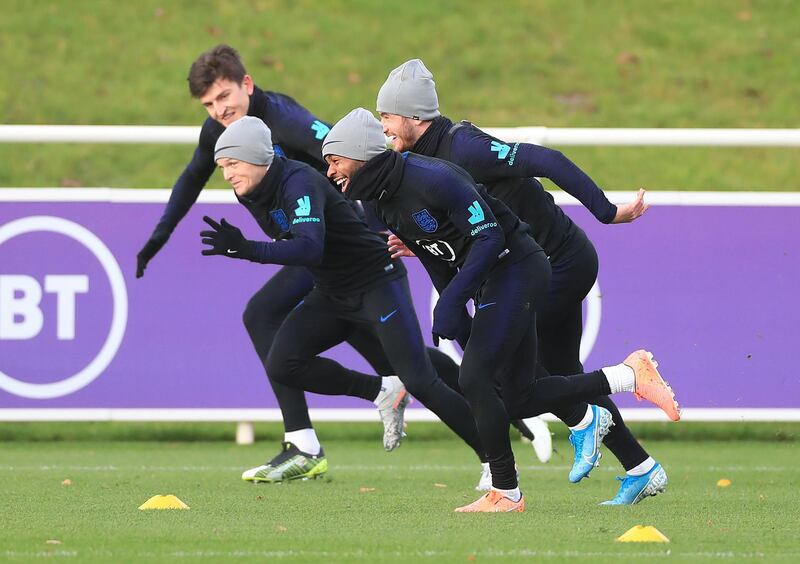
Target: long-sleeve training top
<point>314,226</point>
<point>296,133</point>
<point>508,170</point>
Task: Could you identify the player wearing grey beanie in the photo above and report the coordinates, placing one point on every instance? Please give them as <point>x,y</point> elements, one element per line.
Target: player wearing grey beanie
<point>358,136</point>
<point>247,139</point>
<point>409,92</point>
<point>508,171</point>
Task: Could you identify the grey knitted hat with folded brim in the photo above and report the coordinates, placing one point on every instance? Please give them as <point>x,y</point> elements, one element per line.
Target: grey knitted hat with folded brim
<point>358,136</point>
<point>410,92</point>
<point>247,139</point>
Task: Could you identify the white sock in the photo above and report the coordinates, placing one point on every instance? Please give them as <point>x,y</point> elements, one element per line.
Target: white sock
<point>387,387</point>
<point>304,439</point>
<point>513,495</point>
<point>621,378</point>
<point>642,468</point>
<point>588,417</point>
<point>484,466</point>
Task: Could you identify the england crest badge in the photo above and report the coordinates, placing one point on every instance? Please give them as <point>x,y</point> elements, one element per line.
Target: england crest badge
<point>279,217</point>
<point>426,221</point>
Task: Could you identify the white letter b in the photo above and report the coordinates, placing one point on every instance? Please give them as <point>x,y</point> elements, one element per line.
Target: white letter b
<point>26,306</point>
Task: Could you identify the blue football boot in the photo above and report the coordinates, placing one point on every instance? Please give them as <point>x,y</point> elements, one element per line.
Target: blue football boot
<point>635,488</point>
<point>587,443</point>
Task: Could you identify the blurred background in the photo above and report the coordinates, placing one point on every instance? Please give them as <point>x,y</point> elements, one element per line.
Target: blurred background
<point>626,63</point>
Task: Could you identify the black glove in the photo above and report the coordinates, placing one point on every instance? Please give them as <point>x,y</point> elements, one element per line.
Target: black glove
<point>226,239</point>
<point>157,240</point>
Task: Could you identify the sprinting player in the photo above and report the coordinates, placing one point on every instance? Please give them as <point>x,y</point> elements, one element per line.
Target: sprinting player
<point>473,246</point>
<point>357,286</point>
<point>219,81</point>
<point>409,109</point>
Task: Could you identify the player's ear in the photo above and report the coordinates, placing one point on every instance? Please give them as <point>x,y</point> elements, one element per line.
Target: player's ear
<point>247,82</point>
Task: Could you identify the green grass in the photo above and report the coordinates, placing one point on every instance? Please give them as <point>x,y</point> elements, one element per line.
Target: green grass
<point>629,63</point>
<point>405,518</point>
<point>224,432</point>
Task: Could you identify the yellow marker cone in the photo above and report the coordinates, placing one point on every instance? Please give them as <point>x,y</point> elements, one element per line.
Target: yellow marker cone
<point>163,502</point>
<point>723,483</point>
<point>641,533</point>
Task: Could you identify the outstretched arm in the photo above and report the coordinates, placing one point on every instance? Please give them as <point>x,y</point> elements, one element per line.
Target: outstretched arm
<point>184,194</point>
<point>488,159</point>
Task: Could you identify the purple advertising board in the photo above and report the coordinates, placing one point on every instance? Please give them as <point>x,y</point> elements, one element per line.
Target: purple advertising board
<point>711,288</point>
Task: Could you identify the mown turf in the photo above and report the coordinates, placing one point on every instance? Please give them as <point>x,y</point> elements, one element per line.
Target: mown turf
<point>84,431</point>
<point>379,507</point>
<point>662,63</point>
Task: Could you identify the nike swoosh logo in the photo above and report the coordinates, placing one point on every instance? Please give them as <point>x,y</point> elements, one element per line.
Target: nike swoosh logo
<point>481,306</point>
<point>232,252</point>
<point>385,318</point>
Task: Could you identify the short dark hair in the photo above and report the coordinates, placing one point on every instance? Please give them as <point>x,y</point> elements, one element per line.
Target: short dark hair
<point>222,61</point>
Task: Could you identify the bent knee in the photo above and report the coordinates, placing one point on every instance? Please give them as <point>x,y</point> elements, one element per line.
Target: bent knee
<point>283,368</point>
<point>261,313</point>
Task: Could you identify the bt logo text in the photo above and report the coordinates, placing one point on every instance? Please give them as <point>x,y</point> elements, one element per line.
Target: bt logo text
<point>21,316</point>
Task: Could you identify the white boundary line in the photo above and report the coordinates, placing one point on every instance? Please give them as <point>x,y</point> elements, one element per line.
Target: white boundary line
<point>358,414</point>
<point>225,196</point>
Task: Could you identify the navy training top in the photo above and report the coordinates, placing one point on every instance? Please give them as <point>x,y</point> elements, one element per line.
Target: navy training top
<point>296,132</point>
<point>314,226</point>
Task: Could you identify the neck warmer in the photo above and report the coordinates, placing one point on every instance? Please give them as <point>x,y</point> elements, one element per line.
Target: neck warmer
<point>378,179</point>
<point>428,143</point>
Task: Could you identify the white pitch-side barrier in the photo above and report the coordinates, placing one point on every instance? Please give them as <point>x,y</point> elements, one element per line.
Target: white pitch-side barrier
<point>551,136</point>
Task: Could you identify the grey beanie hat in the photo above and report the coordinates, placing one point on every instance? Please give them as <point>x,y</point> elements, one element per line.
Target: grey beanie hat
<point>247,139</point>
<point>358,136</point>
<point>410,92</point>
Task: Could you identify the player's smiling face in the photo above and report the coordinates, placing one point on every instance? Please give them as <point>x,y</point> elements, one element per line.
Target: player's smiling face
<point>402,131</point>
<point>244,177</point>
<point>341,169</point>
<point>226,101</point>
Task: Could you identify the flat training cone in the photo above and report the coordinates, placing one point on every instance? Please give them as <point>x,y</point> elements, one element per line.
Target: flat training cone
<point>163,502</point>
<point>642,533</point>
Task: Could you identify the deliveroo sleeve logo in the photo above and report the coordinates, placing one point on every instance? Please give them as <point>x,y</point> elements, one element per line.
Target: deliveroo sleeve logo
<point>302,212</point>
<point>501,149</point>
<point>320,129</point>
<point>303,206</point>
<point>476,213</point>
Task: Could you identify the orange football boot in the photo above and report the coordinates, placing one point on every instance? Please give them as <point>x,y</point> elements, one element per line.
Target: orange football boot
<point>493,502</point>
<point>650,385</point>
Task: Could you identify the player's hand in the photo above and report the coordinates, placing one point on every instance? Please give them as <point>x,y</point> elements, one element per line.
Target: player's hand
<point>447,320</point>
<point>632,211</point>
<point>398,248</point>
<point>225,239</point>
<point>153,245</point>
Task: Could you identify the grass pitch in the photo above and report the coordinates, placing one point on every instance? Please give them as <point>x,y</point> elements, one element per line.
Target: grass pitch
<point>379,507</point>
